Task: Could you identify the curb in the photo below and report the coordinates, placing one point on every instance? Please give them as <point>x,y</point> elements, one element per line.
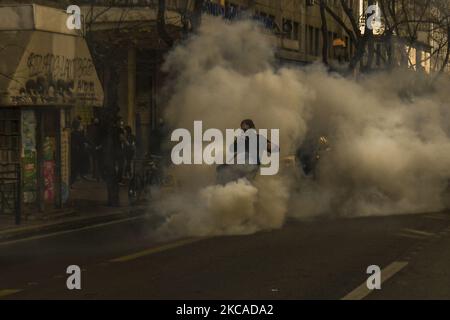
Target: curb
<point>17,233</point>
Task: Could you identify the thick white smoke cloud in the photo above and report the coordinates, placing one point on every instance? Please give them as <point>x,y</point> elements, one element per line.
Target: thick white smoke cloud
<point>237,208</point>
<point>390,146</point>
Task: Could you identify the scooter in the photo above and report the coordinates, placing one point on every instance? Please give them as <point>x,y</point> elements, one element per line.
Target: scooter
<point>227,173</point>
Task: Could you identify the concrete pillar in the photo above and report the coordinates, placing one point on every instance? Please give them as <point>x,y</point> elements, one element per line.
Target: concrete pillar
<point>131,75</point>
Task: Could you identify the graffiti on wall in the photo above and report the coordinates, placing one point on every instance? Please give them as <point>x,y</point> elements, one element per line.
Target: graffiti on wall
<point>55,79</point>
<point>49,168</point>
<point>29,156</point>
<point>65,165</point>
<point>59,66</point>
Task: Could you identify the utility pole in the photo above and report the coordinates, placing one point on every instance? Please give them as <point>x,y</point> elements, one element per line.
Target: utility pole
<point>131,75</point>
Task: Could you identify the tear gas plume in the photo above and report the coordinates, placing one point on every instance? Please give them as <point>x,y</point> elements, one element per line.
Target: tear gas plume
<point>388,136</point>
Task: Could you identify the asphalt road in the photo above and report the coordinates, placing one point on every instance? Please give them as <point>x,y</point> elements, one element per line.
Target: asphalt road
<point>321,259</point>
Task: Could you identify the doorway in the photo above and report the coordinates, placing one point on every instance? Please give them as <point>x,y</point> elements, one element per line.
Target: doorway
<point>49,159</point>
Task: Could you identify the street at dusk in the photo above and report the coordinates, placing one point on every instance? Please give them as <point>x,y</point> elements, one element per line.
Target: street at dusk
<point>224,158</point>
<point>323,259</point>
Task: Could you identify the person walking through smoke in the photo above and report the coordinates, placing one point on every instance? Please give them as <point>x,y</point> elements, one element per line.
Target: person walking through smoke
<point>227,173</point>
<point>130,150</point>
<point>78,151</point>
<point>94,137</point>
<point>120,142</point>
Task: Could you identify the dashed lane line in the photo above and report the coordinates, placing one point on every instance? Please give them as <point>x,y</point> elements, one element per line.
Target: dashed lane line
<point>54,234</point>
<point>411,236</point>
<point>363,291</point>
<point>7,292</point>
<point>154,250</point>
<point>419,232</point>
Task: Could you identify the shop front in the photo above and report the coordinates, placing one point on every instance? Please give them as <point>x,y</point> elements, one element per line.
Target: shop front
<point>45,73</point>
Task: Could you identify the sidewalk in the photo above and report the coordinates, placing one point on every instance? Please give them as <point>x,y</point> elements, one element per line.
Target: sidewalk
<point>87,206</point>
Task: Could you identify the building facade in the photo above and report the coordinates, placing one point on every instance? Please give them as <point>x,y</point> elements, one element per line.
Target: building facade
<point>46,76</point>
<point>128,49</point>
<point>115,60</point>
<point>294,26</point>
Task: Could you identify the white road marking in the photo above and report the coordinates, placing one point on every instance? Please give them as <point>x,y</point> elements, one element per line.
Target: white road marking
<point>405,235</point>
<point>419,232</point>
<point>32,283</point>
<point>8,292</point>
<point>414,234</point>
<point>437,217</point>
<point>54,234</point>
<point>150,251</point>
<point>362,291</point>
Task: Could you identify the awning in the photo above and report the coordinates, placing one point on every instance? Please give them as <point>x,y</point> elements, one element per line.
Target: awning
<point>44,68</point>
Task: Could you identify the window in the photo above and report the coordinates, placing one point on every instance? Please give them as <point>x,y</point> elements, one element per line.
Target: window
<point>287,28</point>
<point>378,53</point>
<point>9,159</point>
<point>9,136</point>
<point>317,42</point>
<point>330,44</point>
<point>291,29</point>
<point>296,31</point>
